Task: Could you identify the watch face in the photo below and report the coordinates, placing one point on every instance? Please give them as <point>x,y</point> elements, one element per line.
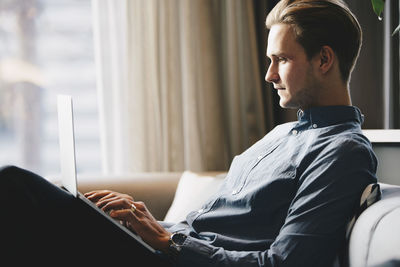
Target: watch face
<point>178,239</point>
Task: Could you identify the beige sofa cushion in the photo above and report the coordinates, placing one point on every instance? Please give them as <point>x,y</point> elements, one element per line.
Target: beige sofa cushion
<point>192,191</point>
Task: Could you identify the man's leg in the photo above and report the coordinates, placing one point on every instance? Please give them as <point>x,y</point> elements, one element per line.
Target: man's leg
<point>42,223</point>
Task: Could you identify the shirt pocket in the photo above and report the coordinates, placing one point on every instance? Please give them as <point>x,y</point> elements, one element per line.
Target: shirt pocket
<point>253,164</point>
<point>235,175</point>
<point>266,174</point>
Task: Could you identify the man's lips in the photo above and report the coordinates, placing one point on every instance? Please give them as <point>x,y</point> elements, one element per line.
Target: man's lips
<point>279,88</point>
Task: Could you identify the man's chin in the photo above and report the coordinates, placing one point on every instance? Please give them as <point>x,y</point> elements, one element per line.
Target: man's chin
<point>285,100</point>
<point>287,105</point>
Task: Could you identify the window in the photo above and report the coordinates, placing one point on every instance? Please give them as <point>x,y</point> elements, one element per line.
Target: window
<point>46,48</point>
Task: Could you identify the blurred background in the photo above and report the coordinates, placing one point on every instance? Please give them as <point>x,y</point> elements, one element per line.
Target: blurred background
<point>160,85</point>
<point>46,48</point>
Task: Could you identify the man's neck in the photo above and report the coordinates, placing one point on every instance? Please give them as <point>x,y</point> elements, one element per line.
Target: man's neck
<point>332,96</point>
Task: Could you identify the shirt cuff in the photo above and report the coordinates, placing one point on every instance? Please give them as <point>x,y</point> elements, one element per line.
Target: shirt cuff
<point>195,252</point>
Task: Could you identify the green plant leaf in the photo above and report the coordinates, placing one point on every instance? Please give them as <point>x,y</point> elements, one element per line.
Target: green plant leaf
<point>378,5</point>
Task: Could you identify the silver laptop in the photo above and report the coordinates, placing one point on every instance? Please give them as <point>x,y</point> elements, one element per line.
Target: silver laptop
<point>68,162</point>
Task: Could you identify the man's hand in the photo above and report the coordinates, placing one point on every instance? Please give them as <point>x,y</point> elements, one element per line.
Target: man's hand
<point>138,219</point>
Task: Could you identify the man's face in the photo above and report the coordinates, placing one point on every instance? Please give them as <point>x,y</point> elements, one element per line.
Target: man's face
<point>290,70</point>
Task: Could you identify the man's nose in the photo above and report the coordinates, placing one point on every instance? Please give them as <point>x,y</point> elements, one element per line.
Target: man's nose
<point>272,75</point>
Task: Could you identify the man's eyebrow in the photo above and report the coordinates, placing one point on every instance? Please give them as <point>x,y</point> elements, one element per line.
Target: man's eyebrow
<point>279,54</point>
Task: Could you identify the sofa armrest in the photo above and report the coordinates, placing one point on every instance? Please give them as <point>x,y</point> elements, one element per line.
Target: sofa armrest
<point>375,238</point>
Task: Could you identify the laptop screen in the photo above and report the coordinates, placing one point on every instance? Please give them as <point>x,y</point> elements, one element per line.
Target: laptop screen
<point>67,143</point>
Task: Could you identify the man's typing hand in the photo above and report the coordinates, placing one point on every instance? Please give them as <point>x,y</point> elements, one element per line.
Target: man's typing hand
<point>134,214</point>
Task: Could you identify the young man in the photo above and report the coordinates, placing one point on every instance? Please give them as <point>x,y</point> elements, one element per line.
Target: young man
<point>286,201</point>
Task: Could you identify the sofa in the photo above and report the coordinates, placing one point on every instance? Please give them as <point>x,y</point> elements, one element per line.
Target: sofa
<point>373,235</point>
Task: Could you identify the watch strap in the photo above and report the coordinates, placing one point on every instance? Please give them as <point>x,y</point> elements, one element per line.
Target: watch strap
<point>175,245</point>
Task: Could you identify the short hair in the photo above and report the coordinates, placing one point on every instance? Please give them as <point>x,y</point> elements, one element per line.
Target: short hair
<point>318,23</point>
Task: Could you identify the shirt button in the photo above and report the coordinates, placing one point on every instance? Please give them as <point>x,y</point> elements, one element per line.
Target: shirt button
<point>234,192</point>
<point>294,132</point>
<point>259,157</point>
<point>314,125</point>
<point>200,210</point>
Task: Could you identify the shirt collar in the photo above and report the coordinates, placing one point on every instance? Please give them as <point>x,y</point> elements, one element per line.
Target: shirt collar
<point>329,115</point>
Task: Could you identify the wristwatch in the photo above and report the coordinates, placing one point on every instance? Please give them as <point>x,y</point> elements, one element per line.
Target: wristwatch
<point>176,241</point>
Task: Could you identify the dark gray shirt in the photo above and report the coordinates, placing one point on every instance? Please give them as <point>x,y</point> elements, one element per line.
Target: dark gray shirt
<point>287,199</point>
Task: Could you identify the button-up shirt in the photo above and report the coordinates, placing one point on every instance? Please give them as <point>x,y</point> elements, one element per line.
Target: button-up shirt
<point>286,200</point>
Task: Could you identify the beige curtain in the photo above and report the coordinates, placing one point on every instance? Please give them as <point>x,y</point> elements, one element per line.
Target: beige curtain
<point>179,83</point>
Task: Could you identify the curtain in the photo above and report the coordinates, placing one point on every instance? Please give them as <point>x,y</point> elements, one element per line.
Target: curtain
<point>178,83</point>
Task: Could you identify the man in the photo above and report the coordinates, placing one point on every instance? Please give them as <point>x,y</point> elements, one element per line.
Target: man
<point>286,201</point>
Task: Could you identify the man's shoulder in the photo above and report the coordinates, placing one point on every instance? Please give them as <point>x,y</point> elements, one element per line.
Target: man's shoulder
<point>348,140</point>
<point>335,145</point>
<point>348,152</point>
<point>348,146</point>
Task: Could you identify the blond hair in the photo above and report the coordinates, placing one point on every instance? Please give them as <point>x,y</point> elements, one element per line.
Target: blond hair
<point>320,23</point>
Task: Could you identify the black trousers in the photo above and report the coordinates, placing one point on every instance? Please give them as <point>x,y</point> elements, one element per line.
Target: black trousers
<point>42,224</point>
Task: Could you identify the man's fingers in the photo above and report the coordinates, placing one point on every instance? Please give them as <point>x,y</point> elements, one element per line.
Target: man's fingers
<point>127,216</point>
<point>122,214</point>
<point>96,195</point>
<point>131,212</point>
<point>141,221</point>
<point>105,200</point>
<point>115,204</point>
<point>100,195</point>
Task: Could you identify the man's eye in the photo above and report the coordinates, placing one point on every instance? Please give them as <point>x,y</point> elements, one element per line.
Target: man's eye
<point>282,59</point>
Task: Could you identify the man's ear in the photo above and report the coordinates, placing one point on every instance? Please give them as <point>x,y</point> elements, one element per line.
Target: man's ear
<point>326,58</point>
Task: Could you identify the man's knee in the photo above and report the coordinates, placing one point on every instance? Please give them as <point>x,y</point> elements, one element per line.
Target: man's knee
<point>14,175</point>
<point>9,170</point>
